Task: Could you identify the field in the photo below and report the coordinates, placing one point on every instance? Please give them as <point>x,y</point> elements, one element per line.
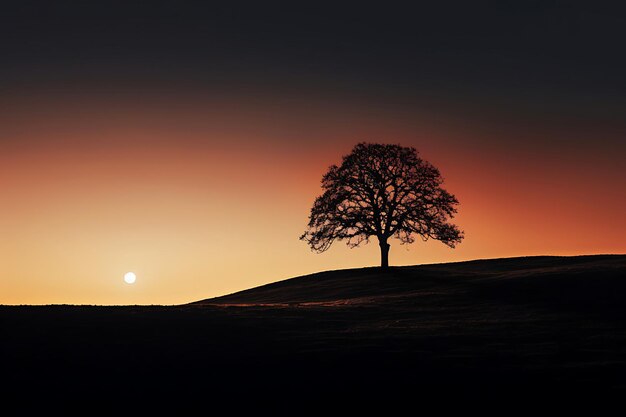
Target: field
<point>530,336</point>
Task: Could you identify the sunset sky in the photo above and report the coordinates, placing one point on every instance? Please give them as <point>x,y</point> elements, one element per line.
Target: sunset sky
<point>186,142</point>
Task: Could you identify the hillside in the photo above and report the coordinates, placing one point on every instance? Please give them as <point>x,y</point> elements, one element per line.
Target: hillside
<point>528,336</point>
<point>584,281</point>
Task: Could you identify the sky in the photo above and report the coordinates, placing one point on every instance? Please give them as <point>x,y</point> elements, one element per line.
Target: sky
<point>185,141</point>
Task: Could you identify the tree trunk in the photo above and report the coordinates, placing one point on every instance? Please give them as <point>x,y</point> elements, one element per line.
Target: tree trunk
<point>384,253</point>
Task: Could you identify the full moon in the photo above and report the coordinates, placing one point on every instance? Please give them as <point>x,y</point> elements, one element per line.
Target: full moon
<point>130,277</point>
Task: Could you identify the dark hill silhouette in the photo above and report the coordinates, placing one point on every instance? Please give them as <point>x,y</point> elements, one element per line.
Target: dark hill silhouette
<point>597,281</point>
<point>519,336</point>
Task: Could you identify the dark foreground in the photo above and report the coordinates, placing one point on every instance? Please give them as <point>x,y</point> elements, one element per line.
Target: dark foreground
<point>526,336</point>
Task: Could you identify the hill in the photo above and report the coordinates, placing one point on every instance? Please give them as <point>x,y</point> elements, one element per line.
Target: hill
<point>583,281</point>
<point>527,336</point>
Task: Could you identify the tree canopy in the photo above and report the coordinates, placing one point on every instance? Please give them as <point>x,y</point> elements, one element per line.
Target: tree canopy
<point>384,191</point>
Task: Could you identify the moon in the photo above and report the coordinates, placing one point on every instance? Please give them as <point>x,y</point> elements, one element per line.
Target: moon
<point>130,277</point>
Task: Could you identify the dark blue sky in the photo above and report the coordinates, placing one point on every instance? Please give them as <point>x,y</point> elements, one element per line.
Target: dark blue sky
<point>543,58</point>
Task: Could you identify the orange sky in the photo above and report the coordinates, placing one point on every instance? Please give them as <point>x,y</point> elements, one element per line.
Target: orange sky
<point>206,195</point>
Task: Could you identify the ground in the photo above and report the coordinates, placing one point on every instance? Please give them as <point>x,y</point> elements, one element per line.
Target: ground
<point>528,334</point>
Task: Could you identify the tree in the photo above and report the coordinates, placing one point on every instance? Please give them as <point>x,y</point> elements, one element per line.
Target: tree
<point>383,191</point>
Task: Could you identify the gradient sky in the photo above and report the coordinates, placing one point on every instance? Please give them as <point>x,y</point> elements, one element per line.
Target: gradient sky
<point>186,141</point>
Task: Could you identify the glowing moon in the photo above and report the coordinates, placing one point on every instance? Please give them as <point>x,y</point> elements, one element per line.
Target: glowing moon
<point>130,277</point>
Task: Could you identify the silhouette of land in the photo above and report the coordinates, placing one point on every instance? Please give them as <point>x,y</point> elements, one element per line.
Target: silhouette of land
<point>504,336</point>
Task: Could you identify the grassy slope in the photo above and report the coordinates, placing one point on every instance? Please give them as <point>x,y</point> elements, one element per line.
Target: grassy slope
<point>592,280</point>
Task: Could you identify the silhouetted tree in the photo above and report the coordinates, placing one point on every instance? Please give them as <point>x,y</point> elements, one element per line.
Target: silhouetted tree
<point>383,191</point>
